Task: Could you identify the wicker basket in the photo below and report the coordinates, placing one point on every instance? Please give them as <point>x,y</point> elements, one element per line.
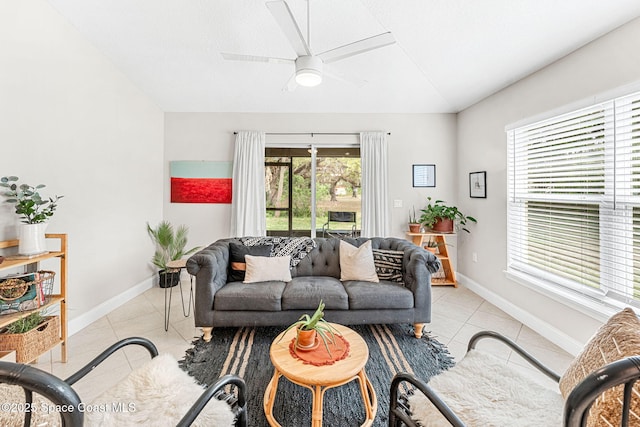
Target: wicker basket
<point>12,289</point>
<point>31,344</point>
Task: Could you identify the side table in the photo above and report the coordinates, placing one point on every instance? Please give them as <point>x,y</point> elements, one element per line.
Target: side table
<point>176,267</point>
<point>319,379</point>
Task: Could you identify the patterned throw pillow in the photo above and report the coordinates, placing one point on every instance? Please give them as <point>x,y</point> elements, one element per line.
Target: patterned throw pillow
<point>237,264</point>
<point>615,340</point>
<point>388,264</point>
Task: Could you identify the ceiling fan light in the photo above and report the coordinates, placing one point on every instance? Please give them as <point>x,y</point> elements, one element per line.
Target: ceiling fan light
<point>308,78</point>
<point>308,71</point>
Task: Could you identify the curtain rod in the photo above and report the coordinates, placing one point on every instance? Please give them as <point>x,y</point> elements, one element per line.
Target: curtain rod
<point>312,133</point>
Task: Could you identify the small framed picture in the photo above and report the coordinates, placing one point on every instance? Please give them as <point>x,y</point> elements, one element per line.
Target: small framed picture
<point>424,175</point>
<point>478,185</point>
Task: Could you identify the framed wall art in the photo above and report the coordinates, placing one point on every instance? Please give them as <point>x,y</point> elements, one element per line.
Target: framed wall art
<point>200,182</point>
<point>478,185</point>
<point>424,175</point>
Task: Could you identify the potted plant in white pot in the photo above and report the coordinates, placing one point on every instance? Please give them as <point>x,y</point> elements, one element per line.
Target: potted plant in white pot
<point>34,212</point>
<point>170,246</point>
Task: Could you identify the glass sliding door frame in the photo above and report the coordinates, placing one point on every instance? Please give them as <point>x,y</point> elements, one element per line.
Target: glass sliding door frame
<point>313,151</point>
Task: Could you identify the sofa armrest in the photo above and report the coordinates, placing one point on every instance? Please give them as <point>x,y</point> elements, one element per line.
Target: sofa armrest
<point>210,268</point>
<point>419,264</point>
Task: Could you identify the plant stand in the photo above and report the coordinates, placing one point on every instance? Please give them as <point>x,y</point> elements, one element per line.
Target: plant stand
<point>447,271</point>
<point>176,267</point>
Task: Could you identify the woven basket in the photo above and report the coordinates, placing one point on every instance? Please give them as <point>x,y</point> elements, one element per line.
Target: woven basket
<point>31,344</point>
<point>12,289</point>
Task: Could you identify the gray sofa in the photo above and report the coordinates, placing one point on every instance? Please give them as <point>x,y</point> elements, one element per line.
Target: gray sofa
<point>316,276</point>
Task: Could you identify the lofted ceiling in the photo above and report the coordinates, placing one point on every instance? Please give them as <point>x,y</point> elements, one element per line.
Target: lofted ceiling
<point>448,54</point>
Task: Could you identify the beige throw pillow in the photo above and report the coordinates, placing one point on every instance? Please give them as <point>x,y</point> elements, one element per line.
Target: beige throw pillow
<point>263,269</point>
<point>615,340</point>
<point>357,263</point>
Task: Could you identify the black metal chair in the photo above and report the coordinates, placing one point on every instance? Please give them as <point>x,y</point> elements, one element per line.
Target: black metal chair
<point>576,409</point>
<point>342,218</point>
<point>62,395</point>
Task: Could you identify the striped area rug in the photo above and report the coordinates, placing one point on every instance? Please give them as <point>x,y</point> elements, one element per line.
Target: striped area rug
<point>245,352</point>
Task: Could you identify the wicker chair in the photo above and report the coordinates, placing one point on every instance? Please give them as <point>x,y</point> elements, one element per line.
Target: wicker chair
<point>61,394</point>
<point>578,401</point>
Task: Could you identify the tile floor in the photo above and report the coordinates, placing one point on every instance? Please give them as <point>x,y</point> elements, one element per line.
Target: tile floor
<point>457,314</point>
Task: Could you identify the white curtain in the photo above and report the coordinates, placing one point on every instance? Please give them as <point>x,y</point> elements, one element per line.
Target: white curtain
<point>248,203</point>
<point>375,174</point>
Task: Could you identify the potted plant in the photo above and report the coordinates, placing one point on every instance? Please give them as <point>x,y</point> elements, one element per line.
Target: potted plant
<point>414,224</point>
<point>34,211</point>
<point>431,245</point>
<point>170,246</point>
<point>442,218</point>
<point>309,328</point>
<point>29,335</point>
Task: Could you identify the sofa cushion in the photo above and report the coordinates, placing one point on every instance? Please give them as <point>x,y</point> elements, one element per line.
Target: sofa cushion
<point>263,296</point>
<point>383,295</point>
<point>237,252</point>
<point>356,263</point>
<point>388,264</point>
<point>263,268</point>
<point>303,293</point>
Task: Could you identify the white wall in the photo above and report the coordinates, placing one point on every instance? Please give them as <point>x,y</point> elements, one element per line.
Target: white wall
<point>603,65</point>
<point>414,139</point>
<point>70,120</point>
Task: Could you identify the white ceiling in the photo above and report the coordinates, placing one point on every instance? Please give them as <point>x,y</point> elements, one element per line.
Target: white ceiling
<point>449,53</point>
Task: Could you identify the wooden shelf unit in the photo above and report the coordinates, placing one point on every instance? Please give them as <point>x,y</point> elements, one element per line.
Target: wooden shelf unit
<point>53,299</point>
<point>420,239</point>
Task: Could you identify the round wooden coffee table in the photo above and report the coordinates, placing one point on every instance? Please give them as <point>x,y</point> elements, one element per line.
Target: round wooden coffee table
<point>319,379</point>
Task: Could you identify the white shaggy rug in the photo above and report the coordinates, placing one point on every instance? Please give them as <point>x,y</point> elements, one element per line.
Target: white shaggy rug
<point>484,391</point>
<point>156,394</point>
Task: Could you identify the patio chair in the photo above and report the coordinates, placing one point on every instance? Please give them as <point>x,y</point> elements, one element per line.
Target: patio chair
<point>163,391</point>
<point>331,229</point>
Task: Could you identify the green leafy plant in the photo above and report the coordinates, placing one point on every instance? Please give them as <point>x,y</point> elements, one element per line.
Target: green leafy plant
<point>25,324</point>
<point>316,322</point>
<point>436,210</point>
<point>29,204</point>
<point>170,244</point>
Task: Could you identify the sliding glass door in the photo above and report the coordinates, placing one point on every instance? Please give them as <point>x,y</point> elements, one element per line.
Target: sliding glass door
<point>305,187</point>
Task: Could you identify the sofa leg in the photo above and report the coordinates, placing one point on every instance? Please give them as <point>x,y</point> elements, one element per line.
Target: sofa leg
<point>418,327</point>
<point>206,334</point>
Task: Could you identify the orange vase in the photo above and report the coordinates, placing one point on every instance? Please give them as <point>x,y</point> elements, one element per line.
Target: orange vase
<point>306,339</point>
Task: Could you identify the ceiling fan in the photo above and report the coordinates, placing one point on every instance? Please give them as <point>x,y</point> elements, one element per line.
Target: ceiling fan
<point>309,66</point>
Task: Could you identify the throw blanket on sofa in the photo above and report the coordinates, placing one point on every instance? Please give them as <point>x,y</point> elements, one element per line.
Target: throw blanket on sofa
<point>297,247</point>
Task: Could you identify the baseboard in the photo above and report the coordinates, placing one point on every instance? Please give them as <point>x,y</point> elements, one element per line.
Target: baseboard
<point>85,319</point>
<point>559,338</point>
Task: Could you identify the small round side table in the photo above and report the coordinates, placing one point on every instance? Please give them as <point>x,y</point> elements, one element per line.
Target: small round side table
<point>319,379</point>
<point>176,267</point>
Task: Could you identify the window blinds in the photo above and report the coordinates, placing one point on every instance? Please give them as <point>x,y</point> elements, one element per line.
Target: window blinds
<point>574,200</point>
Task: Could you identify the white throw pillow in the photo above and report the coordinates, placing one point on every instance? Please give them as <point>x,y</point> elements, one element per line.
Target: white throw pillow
<point>357,263</point>
<point>264,268</point>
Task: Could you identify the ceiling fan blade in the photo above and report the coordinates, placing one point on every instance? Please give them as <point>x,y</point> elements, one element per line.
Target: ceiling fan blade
<point>283,16</point>
<point>355,48</point>
<point>291,84</point>
<point>344,77</point>
<point>252,58</point>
